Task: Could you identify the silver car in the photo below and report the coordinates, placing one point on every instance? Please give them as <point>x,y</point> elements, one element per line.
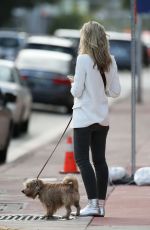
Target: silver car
<point>10,82</point>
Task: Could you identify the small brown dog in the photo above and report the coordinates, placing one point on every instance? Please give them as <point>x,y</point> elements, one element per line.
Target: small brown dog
<point>53,196</point>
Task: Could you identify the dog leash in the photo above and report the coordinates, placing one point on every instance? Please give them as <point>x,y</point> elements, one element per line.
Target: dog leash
<point>54,148</point>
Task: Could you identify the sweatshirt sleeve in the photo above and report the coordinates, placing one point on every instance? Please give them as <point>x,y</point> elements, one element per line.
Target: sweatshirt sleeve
<point>77,86</point>
<point>113,88</point>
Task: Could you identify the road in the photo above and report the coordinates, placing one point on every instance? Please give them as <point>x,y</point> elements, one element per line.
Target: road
<point>45,126</point>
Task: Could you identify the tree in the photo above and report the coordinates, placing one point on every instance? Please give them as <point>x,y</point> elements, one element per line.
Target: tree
<point>7,6</point>
<point>73,20</point>
<point>126,4</point>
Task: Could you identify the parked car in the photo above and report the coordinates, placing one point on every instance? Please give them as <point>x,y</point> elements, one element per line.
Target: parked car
<point>120,47</point>
<point>146,40</point>
<point>10,43</point>
<point>5,124</point>
<point>52,43</point>
<point>45,73</point>
<point>71,34</point>
<point>21,109</point>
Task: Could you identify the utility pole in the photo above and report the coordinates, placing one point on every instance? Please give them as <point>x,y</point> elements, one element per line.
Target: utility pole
<point>139,59</point>
<point>133,83</point>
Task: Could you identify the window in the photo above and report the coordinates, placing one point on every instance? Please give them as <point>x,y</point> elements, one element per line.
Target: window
<point>6,74</point>
<point>9,42</point>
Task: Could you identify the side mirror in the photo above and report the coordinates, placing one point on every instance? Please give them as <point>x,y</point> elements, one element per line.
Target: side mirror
<point>9,97</point>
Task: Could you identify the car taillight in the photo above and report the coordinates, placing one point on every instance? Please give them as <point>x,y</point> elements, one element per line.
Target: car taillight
<point>24,78</point>
<point>61,81</point>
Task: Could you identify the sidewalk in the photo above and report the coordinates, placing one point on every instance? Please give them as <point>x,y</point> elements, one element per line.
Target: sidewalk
<point>127,207</point>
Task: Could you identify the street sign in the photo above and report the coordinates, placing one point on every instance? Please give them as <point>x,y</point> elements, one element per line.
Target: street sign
<point>143,6</point>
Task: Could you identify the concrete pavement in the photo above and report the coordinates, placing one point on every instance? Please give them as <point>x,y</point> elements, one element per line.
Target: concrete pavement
<point>127,206</point>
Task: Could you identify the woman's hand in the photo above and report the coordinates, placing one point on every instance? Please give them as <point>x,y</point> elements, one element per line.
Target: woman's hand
<point>71,78</point>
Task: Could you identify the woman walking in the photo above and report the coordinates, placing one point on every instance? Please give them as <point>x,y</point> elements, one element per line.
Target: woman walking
<point>95,79</point>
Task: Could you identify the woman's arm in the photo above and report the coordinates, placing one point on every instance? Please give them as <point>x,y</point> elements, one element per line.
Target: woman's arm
<point>77,86</point>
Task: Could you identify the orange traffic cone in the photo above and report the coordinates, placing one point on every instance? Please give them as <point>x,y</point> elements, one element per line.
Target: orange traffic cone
<point>69,163</point>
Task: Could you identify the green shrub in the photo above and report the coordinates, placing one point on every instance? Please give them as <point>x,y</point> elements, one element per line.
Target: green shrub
<point>68,21</point>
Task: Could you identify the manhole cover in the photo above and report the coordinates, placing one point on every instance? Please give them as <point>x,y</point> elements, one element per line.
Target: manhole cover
<point>20,217</point>
<point>30,218</point>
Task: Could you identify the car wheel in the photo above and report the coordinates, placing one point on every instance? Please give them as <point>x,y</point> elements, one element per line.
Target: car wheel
<point>3,155</point>
<point>3,152</point>
<point>16,130</point>
<point>25,126</point>
<point>69,109</point>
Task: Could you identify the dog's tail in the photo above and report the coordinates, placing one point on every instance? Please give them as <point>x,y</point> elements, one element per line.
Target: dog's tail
<point>72,180</point>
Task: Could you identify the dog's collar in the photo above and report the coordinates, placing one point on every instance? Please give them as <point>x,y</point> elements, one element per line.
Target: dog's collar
<point>37,187</point>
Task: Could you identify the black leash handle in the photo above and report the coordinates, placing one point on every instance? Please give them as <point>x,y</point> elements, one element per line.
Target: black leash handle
<point>54,148</point>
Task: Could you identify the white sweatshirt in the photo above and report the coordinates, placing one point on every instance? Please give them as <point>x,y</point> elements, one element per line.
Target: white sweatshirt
<point>90,98</point>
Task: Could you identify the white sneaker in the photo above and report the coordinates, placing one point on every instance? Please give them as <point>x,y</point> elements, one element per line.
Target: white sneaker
<point>92,209</point>
<point>101,211</point>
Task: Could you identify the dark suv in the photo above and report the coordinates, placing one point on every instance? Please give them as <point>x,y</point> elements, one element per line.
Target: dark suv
<point>120,47</point>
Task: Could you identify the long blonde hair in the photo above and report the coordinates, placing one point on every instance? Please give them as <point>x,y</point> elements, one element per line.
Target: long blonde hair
<point>93,41</point>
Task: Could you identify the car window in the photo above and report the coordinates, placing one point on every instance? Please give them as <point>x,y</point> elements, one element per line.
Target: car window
<point>9,42</point>
<point>120,49</point>
<point>63,49</point>
<point>6,74</point>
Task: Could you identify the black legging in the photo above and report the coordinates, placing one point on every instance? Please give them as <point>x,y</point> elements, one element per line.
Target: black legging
<point>93,136</point>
